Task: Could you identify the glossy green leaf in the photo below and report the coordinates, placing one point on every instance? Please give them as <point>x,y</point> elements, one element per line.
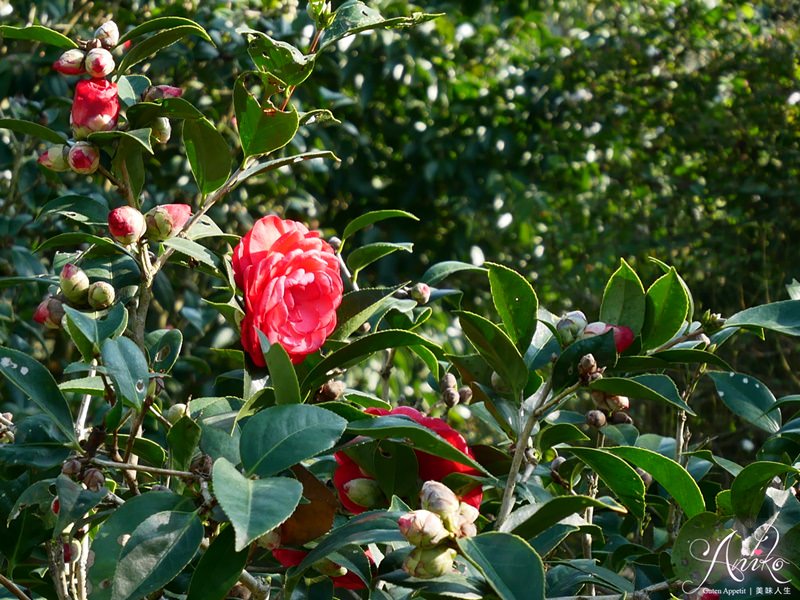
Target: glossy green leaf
<point>87,210</point>
<point>783,317</point>
<point>364,256</point>
<point>703,533</point>
<point>496,348</point>
<point>144,113</point>
<point>749,399</point>
<point>516,303</point>
<point>532,519</point>
<point>560,433</point>
<point>442,270</point>
<point>602,347</point>
<point>659,388</point>
<point>183,438</point>
<point>747,490</point>
<point>36,382</point>
<point>358,307</point>
<point>158,24</point>
<point>281,372</point>
<point>126,366</point>
<point>667,306</point>
<point>375,216</point>
<point>622,480</point>
<point>75,238</point>
<point>74,501</point>
<point>37,33</point>
<point>163,348</point>
<point>193,250</point>
<point>281,436</point>
<point>511,567</point>
<point>690,355</point>
<point>149,451</point>
<point>254,506</point>
<point>280,59</point>
<point>624,299</point>
<point>262,129</point>
<point>138,136</point>
<point>128,163</point>
<point>163,39</point>
<point>93,386</point>
<point>34,129</point>
<point>218,569</point>
<point>157,551</point>
<point>96,329</point>
<point>208,154</point>
<point>672,477</point>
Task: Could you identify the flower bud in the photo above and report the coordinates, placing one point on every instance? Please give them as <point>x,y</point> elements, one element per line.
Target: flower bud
<point>202,465</point>
<point>595,418</point>
<point>84,158</point>
<point>421,293</point>
<point>448,382</point>
<point>162,130</point>
<point>159,92</point>
<point>426,563</point>
<point>465,394</point>
<point>330,391</point>
<point>74,283</point>
<point>609,402</point>
<point>95,107</point>
<point>107,34</point>
<point>93,479</point>
<point>440,499</point>
<point>327,567</point>
<point>55,158</point>
<point>646,477</point>
<point>450,397</point>
<point>70,63</point>
<point>167,220</point>
<point>623,336</point>
<point>126,224</point>
<point>571,326</point>
<point>72,551</point>
<point>175,413</point>
<point>467,515</point>
<point>364,492</point>
<point>621,418</point>
<point>101,295</point>
<point>7,437</point>
<point>49,313</point>
<point>270,540</point>
<point>99,62</point>
<point>587,365</point>
<point>7,416</point>
<point>72,467</point>
<point>423,528</point>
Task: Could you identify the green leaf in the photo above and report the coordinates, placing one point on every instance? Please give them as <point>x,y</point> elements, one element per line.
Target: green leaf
<point>36,382</point>
<point>783,317</point>
<point>358,307</point>
<point>157,551</point>
<point>281,436</point>
<point>145,49</point>
<point>97,329</point>
<point>144,113</point>
<point>691,355</point>
<point>258,168</point>
<point>208,154</point>
<point>667,305</point>
<point>193,250</point>
<point>602,347</point>
<point>516,303</point>
<point>163,348</point>
<point>161,23</point>
<point>93,386</point>
<point>73,502</point>
<point>75,238</point>
<point>37,33</point>
<point>128,163</point>
<point>126,366</point>
<point>496,348</point>
<point>281,372</point>
<point>369,253</point>
<point>254,506</point>
<point>624,299</point>
<point>659,388</point>
<point>622,480</point>
<point>218,569</point>
<point>532,519</point>
<point>138,136</point>
<point>360,349</point>
<point>34,129</point>
<point>149,451</point>
<point>704,531</point>
<point>373,217</point>
<point>130,89</point>
<point>280,59</point>
<point>750,485</point>
<point>262,129</point>
<point>672,477</point>
<point>403,428</point>
<point>442,270</point>
<point>183,438</point>
<point>87,210</point>
<point>560,433</point>
<point>749,399</point>
<point>511,567</point>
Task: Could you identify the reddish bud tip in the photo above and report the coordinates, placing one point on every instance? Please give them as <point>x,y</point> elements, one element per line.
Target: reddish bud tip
<point>126,224</point>
<point>99,62</point>
<point>167,220</point>
<point>84,158</point>
<point>55,158</point>
<point>159,92</point>
<point>74,283</point>
<point>49,313</point>
<point>70,63</point>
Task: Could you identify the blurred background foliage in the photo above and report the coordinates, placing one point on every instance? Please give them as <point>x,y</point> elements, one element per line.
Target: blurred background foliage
<point>552,136</point>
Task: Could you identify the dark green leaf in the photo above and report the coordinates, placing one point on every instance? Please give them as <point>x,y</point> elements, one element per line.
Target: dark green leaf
<point>659,388</point>
<point>193,250</point>
<point>161,23</point>
<point>126,366</point>
<point>208,154</point>
<point>280,59</point>
<point>532,519</point>
<point>183,438</point>
<point>747,490</point>
<point>139,136</point>
<point>76,238</point>
<point>281,372</point>
<point>516,303</point>
<point>96,329</point>
<point>87,210</point>
<point>442,270</point>
<point>262,129</point>
<point>74,502</point>
<point>749,399</point>
<point>130,89</point>
<point>560,433</point>
<point>667,305</point>
<point>373,217</point>
<point>85,385</point>
<point>366,255</point>
<point>37,33</point>
<point>145,49</point>
<point>689,355</point>
<point>783,317</point>
<point>128,164</point>
<point>144,113</point>
<point>218,569</point>
<point>149,451</point>
<point>163,348</point>
<point>358,307</point>
<point>704,531</point>
<point>34,129</point>
<point>624,299</point>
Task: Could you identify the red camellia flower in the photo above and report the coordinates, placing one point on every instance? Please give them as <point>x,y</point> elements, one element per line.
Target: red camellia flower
<point>623,336</point>
<point>292,287</point>
<point>431,467</point>
<point>95,107</point>
<point>291,558</point>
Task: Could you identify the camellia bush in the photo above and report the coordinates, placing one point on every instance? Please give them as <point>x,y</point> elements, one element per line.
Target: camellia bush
<point>328,456</point>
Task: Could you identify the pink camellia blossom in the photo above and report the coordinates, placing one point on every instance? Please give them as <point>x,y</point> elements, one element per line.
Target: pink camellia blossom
<point>99,62</point>
<point>292,287</point>
<point>83,158</point>
<point>70,63</point>
<point>623,336</point>
<point>159,92</point>
<point>126,224</point>
<point>167,220</point>
<point>95,107</point>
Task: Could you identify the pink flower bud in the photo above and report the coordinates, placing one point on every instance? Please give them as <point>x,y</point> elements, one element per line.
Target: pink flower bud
<point>95,107</point>
<point>94,479</point>
<point>423,528</point>
<point>571,326</point>
<point>440,499</point>
<point>270,540</point>
<point>623,336</point>
<point>421,293</point>
<point>427,563</point>
<point>49,313</point>
<point>101,295</point>
<point>55,158</point>
<point>99,62</point>
<point>70,63</point>
<point>107,34</point>
<point>126,224</point>
<point>364,492</point>
<point>74,283</point>
<point>167,220</point>
<point>159,92</point>
<point>162,130</point>
<point>84,158</point>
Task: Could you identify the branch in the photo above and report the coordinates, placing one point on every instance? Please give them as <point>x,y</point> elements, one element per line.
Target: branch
<point>643,594</point>
<point>152,470</point>
<point>9,585</point>
<point>83,411</point>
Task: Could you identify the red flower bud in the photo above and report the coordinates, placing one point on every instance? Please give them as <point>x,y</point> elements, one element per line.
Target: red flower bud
<point>107,34</point>
<point>159,92</point>
<point>126,224</point>
<point>70,63</point>
<point>167,220</point>
<point>421,293</point>
<point>55,506</point>
<point>84,158</point>
<point>49,313</point>
<point>95,107</point>
<point>55,158</point>
<point>623,336</point>
<point>74,283</point>
<point>162,130</point>
<point>99,62</point>
<point>101,295</point>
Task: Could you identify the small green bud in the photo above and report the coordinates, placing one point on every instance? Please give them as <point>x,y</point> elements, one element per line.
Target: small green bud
<point>364,492</point>
<point>427,563</point>
<point>101,295</point>
<point>175,412</point>
<point>74,283</point>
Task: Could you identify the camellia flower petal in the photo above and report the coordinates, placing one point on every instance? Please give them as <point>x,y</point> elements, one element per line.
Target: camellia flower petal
<point>95,107</point>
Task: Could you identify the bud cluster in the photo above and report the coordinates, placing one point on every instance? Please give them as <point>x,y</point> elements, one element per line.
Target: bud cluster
<point>128,225</point>
<point>452,394</point>
<point>442,518</point>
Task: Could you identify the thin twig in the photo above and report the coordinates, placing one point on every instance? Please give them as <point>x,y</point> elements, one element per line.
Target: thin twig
<point>588,516</point>
<point>643,594</point>
<point>144,468</point>
<point>11,587</point>
<point>83,411</point>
